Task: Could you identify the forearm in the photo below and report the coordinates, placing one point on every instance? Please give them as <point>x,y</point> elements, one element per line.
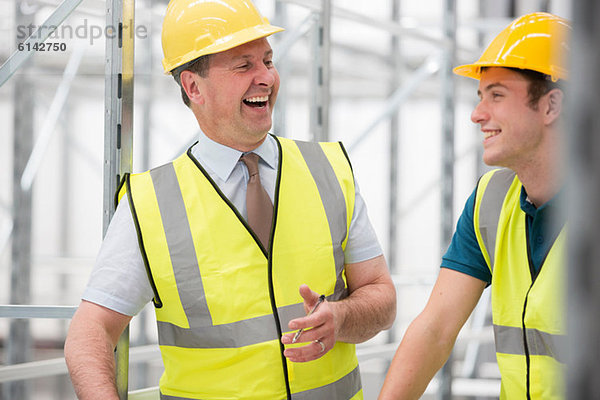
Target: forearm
<point>90,360</point>
<point>89,351</point>
<point>420,355</point>
<point>367,311</point>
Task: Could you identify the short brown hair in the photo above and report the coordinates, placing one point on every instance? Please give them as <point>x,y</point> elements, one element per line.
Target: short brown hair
<point>199,66</point>
<point>539,84</point>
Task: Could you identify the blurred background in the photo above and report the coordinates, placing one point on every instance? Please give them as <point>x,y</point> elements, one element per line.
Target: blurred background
<point>374,74</point>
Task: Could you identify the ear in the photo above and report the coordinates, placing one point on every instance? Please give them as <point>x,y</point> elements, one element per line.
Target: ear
<point>191,83</point>
<point>553,106</point>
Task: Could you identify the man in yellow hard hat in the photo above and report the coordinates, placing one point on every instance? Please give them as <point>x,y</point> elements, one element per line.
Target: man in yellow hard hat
<point>509,235</point>
<point>237,240</point>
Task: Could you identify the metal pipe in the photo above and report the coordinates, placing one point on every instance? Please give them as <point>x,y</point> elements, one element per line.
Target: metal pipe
<point>58,102</point>
<point>405,27</point>
<point>17,311</point>
<point>394,161</point>
<point>319,107</point>
<point>427,69</point>
<point>17,58</point>
<point>57,366</point>
<point>290,38</point>
<point>582,132</point>
<point>118,133</point>
<point>447,166</point>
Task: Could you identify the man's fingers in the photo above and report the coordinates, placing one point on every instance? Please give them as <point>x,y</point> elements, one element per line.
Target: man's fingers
<point>308,295</point>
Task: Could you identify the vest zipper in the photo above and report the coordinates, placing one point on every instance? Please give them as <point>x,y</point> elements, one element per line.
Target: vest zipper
<point>526,347</point>
<point>270,266</point>
<point>266,252</point>
<point>525,344</point>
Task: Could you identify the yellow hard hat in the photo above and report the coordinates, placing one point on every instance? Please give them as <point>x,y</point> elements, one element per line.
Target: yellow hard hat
<point>193,28</point>
<point>537,41</point>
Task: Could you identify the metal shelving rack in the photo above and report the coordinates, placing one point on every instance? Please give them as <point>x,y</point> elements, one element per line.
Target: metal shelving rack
<point>119,104</point>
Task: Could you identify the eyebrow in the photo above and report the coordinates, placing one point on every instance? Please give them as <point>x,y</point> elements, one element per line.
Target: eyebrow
<point>249,56</point>
<point>490,87</point>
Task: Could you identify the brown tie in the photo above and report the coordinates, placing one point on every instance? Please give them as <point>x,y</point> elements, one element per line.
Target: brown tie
<point>258,203</point>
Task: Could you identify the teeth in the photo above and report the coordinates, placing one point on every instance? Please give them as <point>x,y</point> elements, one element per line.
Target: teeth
<point>488,134</point>
<point>257,99</point>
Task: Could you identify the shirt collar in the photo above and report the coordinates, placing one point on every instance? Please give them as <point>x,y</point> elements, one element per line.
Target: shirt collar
<point>530,209</point>
<point>222,159</point>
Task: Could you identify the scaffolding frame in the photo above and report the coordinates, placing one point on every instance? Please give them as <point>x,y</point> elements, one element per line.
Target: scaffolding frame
<point>119,144</point>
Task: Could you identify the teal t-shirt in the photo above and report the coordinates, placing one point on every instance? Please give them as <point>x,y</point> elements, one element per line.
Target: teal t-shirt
<point>464,254</point>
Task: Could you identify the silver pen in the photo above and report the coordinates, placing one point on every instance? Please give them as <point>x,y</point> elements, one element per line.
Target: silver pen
<point>321,299</point>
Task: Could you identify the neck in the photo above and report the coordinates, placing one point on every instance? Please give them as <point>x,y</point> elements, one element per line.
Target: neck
<point>541,184</point>
<point>541,171</point>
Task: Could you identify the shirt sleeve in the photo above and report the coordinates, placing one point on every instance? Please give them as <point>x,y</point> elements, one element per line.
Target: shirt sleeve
<point>119,280</point>
<point>362,242</point>
<point>464,254</point>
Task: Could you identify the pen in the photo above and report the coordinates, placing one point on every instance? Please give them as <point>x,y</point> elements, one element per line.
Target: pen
<point>321,299</point>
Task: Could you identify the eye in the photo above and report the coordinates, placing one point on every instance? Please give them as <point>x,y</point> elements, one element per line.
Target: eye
<point>244,66</point>
<point>269,63</point>
<point>496,95</point>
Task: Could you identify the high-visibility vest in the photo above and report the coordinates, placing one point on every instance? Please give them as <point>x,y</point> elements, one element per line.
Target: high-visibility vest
<point>527,307</point>
<point>222,301</point>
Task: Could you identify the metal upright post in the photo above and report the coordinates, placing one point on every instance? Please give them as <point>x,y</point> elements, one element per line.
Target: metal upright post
<point>447,173</point>
<point>582,131</point>
<point>284,68</point>
<point>146,82</point>
<point>394,157</point>
<point>118,131</point>
<point>18,349</point>
<point>319,108</point>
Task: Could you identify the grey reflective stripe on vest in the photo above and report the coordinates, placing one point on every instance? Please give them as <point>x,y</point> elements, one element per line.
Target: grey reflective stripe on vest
<point>491,207</point>
<point>181,245</point>
<point>342,389</point>
<point>333,202</point>
<point>236,334</point>
<point>202,333</point>
<point>509,340</point>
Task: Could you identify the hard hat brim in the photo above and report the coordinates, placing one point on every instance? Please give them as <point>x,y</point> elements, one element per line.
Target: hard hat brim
<point>468,70</point>
<point>474,70</point>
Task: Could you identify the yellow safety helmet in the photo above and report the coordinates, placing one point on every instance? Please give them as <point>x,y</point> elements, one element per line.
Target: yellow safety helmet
<point>193,28</point>
<point>536,41</point>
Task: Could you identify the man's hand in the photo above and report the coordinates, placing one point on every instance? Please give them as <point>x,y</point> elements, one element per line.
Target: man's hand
<point>319,329</point>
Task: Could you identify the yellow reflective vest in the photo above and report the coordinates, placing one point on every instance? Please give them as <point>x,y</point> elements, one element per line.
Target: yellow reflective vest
<point>223,301</point>
<point>527,307</point>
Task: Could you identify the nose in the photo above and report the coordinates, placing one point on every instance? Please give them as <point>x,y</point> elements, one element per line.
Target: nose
<point>479,114</point>
<point>265,76</point>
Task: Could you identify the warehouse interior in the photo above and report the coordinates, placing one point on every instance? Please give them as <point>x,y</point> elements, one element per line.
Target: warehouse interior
<point>374,75</point>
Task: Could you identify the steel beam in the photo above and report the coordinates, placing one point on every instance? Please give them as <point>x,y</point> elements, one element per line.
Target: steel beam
<point>320,75</point>
<point>19,343</point>
<point>17,59</point>
<point>582,133</point>
<point>118,132</point>
<point>58,102</point>
<point>26,312</point>
<point>394,161</point>
<point>426,70</point>
<point>447,166</point>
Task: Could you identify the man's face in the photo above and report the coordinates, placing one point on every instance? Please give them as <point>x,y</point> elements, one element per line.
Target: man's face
<point>513,131</point>
<point>238,95</point>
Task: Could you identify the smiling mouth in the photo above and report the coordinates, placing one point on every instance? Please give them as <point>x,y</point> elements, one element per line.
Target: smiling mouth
<point>256,102</point>
<point>489,134</point>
